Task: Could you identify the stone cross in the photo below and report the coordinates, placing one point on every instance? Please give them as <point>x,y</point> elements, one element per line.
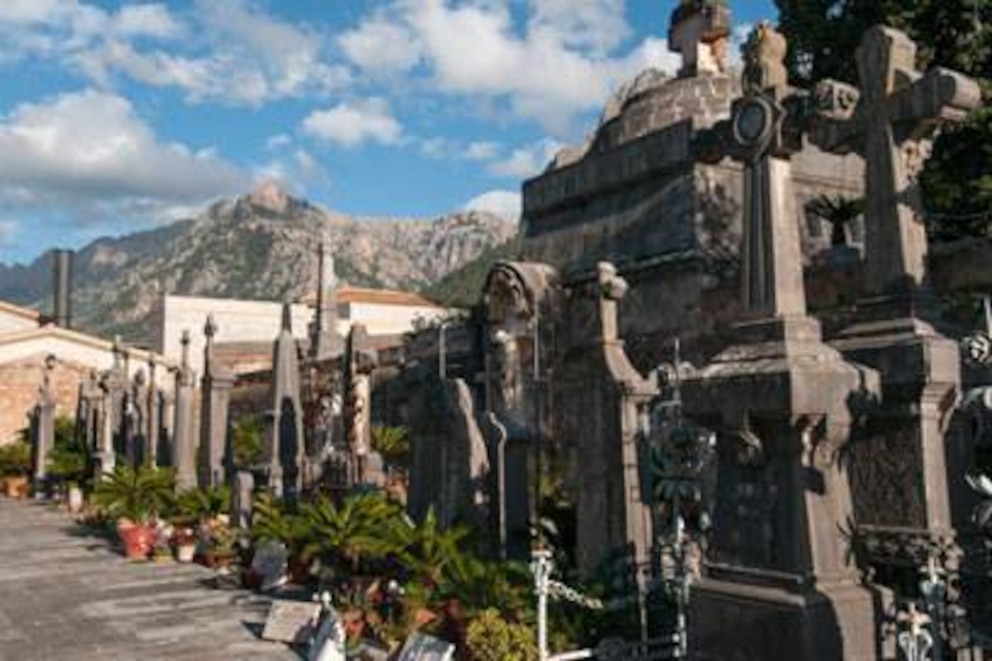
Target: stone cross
<point>184,440</point>
<point>699,32</point>
<point>138,420</point>
<point>890,122</point>
<point>763,133</point>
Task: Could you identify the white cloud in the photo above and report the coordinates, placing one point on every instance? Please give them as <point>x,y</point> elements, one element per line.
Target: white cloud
<point>278,141</point>
<point>151,20</point>
<point>527,161</point>
<point>89,152</point>
<point>239,54</point>
<point>379,46</point>
<point>9,229</point>
<point>560,65</point>
<point>599,25</point>
<point>482,151</point>
<point>352,123</point>
<point>506,203</point>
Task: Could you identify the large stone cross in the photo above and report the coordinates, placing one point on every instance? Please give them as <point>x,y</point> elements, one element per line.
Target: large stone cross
<point>890,123</point>
<point>763,133</point>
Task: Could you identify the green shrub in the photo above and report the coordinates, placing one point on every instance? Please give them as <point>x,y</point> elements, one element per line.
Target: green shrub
<point>248,441</point>
<point>15,459</point>
<point>492,638</point>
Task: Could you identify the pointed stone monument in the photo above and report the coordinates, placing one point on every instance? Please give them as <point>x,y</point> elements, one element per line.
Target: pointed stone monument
<point>284,422</point>
<point>217,382</point>
<point>778,582</point>
<point>325,341</point>
<point>184,435</point>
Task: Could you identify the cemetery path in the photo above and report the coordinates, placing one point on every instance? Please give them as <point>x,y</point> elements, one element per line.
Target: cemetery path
<point>64,595</point>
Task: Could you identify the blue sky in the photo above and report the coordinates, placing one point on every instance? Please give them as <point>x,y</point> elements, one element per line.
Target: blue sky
<point>117,116</point>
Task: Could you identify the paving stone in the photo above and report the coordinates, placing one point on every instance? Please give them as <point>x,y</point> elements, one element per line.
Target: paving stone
<point>64,595</point>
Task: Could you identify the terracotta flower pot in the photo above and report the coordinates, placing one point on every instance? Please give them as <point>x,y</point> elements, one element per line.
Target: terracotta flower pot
<point>137,540</point>
<point>16,486</point>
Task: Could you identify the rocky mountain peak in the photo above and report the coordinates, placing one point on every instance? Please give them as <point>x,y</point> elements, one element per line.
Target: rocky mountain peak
<point>270,196</point>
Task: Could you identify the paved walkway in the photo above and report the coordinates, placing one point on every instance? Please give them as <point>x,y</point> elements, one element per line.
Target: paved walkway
<point>64,595</point>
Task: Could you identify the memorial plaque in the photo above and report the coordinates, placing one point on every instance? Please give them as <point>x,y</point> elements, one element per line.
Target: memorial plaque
<point>421,647</point>
<point>290,621</point>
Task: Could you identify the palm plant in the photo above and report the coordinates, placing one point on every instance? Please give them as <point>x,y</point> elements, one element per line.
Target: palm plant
<point>393,443</point>
<point>434,554</point>
<point>363,526</point>
<point>839,212</point>
<point>137,495</point>
<point>203,504</point>
<point>272,522</point>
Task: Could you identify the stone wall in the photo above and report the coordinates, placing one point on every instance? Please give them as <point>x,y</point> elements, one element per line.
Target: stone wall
<point>19,383</point>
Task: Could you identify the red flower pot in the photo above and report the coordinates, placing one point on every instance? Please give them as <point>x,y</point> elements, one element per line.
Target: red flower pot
<point>137,539</point>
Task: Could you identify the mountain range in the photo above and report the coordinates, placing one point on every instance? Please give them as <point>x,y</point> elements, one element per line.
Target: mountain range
<point>259,246</point>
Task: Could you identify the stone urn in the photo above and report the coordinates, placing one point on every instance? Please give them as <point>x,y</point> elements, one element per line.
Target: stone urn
<point>136,538</point>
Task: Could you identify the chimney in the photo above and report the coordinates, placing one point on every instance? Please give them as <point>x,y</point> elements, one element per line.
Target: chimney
<point>62,289</point>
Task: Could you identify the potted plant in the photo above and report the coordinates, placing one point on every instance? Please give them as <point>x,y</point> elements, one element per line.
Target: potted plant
<point>184,542</point>
<point>74,497</point>
<point>68,463</point>
<point>15,467</point>
<point>134,498</point>
<point>219,542</point>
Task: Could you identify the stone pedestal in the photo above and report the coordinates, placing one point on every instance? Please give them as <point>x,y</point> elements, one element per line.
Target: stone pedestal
<point>779,584</point>
<point>898,465</point>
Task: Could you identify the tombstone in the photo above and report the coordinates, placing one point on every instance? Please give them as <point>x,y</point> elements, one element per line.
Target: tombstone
<point>600,399</point>
<point>217,382</point>
<point>700,30</point>
<point>450,461</point>
<point>242,499</point>
<point>899,469</point>
<point>269,563</point>
<point>104,456</point>
<point>516,297</point>
<point>153,419</point>
<point>137,405</point>
<point>359,363</point>
<point>43,425</point>
<point>184,436</point>
<point>421,647</point>
<point>779,583</point>
<point>167,420</point>
<point>116,382</point>
<point>284,422</point>
<point>86,411</point>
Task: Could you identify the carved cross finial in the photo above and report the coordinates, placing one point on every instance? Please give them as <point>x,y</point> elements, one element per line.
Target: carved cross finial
<point>210,328</point>
<point>890,123</point>
<point>184,340</point>
<point>764,58</point>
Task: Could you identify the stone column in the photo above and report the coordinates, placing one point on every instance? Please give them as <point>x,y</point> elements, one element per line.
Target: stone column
<point>153,416</point>
<point>599,397</point>
<point>184,436</point>
<point>44,426</point>
<point>103,451</point>
<point>215,395</point>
